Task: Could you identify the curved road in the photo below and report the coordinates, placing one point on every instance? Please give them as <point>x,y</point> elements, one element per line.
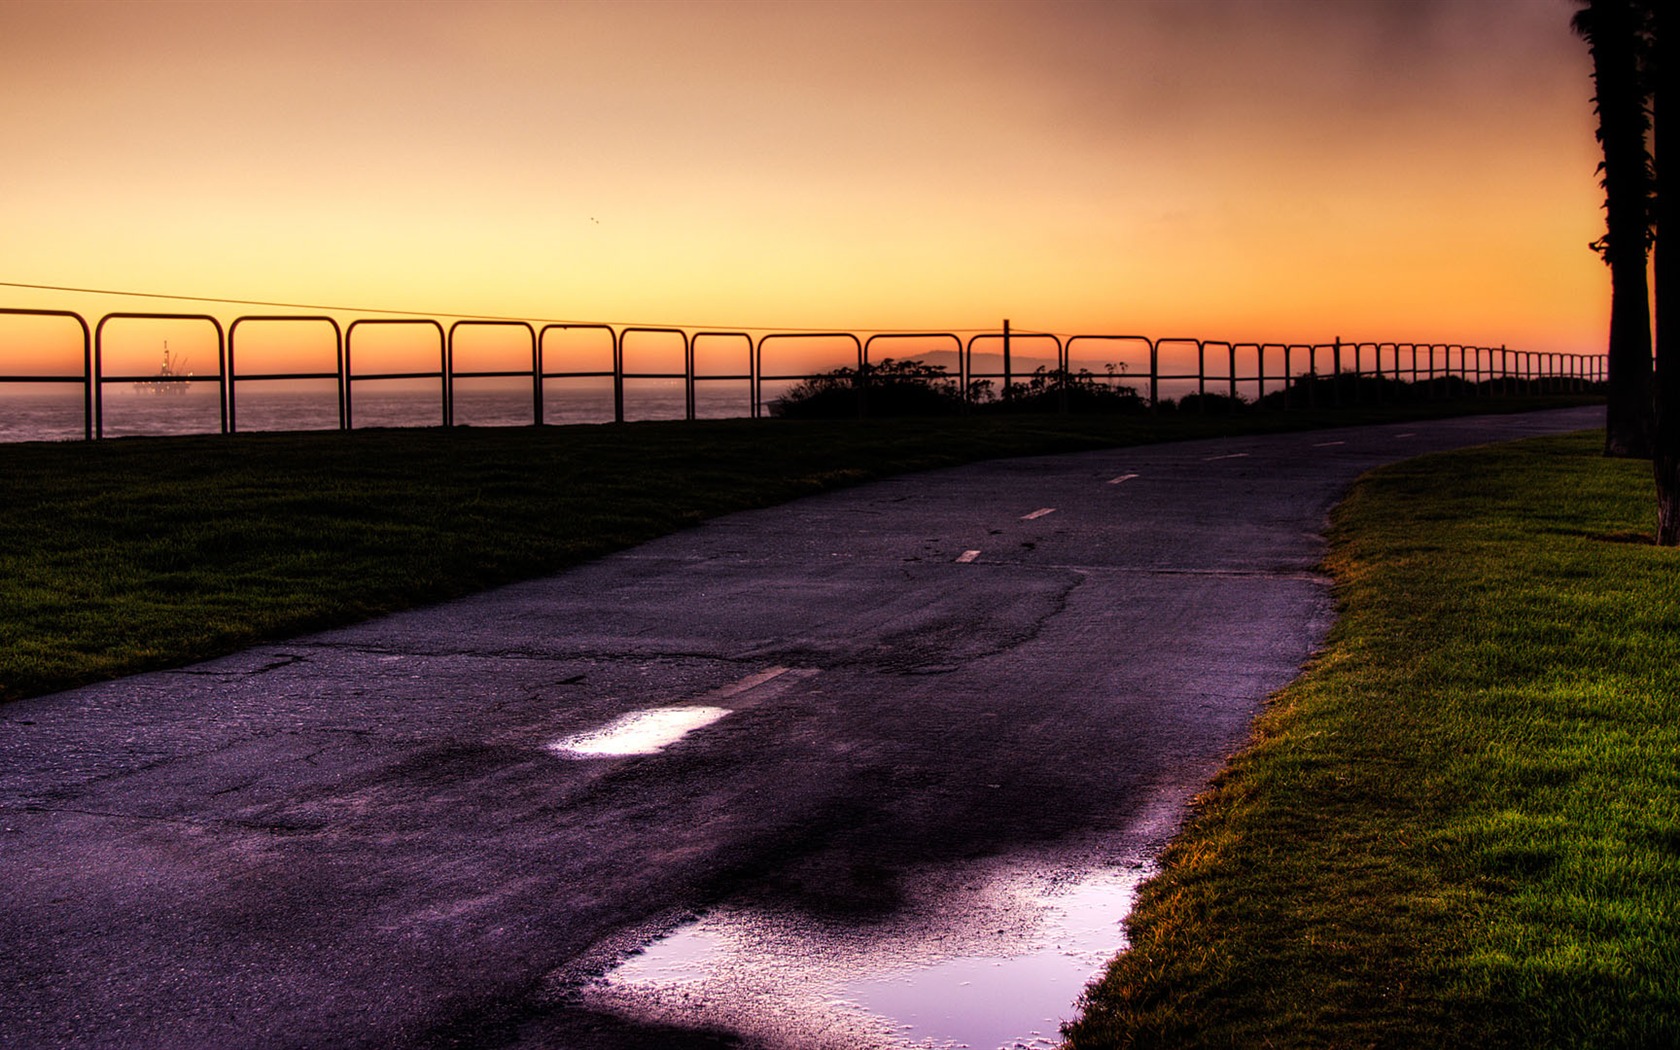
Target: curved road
<point>369,838</point>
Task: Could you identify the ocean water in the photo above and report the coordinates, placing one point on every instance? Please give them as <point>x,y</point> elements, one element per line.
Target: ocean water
<point>40,412</point>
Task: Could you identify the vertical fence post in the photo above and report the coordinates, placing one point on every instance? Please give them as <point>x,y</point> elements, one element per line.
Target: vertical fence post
<point>1336,376</point>
<point>1064,365</point>
<point>1201,375</point>
<point>618,376</point>
<point>536,382</point>
<point>752,376</point>
<point>688,367</point>
<point>757,381</point>
<point>449,377</point>
<point>1154,376</point>
<point>863,379</point>
<point>90,383</point>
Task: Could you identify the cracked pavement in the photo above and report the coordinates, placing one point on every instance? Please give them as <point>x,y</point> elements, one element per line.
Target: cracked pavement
<point>363,838</point>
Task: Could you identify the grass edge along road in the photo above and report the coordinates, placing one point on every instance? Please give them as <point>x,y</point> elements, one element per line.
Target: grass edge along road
<point>135,554</point>
<point>1461,826</point>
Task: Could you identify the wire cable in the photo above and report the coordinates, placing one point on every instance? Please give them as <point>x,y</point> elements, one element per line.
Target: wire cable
<point>493,317</point>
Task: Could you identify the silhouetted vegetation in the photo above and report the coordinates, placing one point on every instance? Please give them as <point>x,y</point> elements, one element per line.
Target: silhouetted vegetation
<point>1643,417</point>
<point>1212,404</point>
<point>1665,459</point>
<point>1619,35</point>
<point>915,388</point>
<point>894,388</point>
<point>1057,390</point>
<point>887,388</point>
<point>1347,390</point>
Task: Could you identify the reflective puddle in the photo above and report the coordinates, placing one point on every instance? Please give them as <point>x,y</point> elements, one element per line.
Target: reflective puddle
<point>638,733</point>
<point>986,1001</point>
<point>999,963</point>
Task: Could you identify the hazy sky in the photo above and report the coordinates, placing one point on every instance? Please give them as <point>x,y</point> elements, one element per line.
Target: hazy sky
<point>1267,169</point>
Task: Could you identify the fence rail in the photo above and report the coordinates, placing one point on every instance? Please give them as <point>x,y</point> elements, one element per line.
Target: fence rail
<point>1246,371</point>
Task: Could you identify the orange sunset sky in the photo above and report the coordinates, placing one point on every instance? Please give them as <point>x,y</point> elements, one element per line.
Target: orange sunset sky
<point>1268,169</point>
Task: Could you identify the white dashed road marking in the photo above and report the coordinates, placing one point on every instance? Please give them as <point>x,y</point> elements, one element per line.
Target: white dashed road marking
<point>1327,444</point>
<point>638,733</point>
<point>1039,513</point>
<point>967,556</point>
<point>752,681</point>
<point>1233,455</point>
<point>1123,477</point>
<point>651,730</point>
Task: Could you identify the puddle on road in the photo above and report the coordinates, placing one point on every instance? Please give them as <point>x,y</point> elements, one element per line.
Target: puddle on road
<point>999,964</point>
<point>985,1001</point>
<point>638,733</point>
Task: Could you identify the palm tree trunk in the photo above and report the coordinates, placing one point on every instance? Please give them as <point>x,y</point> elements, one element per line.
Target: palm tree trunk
<point>1665,459</point>
<point>1628,415</point>
<point>1611,28</point>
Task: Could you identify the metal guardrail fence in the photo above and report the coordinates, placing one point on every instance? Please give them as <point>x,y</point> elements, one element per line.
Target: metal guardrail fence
<point>1243,370</point>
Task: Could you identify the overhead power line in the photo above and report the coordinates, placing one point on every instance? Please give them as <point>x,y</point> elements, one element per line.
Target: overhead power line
<point>475,317</point>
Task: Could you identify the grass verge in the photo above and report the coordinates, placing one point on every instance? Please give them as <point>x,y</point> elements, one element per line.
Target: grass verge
<point>1461,827</point>
<point>127,555</point>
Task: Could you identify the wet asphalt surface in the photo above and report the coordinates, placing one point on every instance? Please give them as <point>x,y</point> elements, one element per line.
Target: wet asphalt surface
<point>362,838</point>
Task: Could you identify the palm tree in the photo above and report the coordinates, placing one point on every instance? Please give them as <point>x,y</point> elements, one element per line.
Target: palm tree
<point>1614,32</point>
<point>1665,458</point>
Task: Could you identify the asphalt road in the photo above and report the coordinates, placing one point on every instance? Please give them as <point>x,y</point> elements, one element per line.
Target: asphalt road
<point>366,838</point>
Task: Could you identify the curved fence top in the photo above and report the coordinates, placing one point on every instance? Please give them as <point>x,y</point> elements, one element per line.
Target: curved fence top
<point>1172,366</point>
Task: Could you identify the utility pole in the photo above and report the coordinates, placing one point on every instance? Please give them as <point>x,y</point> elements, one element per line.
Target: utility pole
<point>1006,371</point>
<point>1336,377</point>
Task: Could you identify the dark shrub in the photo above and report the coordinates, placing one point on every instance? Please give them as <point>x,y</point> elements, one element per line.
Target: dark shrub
<point>887,388</point>
<point>1212,404</point>
<point>1053,390</point>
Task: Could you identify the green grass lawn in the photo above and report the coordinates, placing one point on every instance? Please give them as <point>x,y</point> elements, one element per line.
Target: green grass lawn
<point>1462,826</point>
<point>131,554</point>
